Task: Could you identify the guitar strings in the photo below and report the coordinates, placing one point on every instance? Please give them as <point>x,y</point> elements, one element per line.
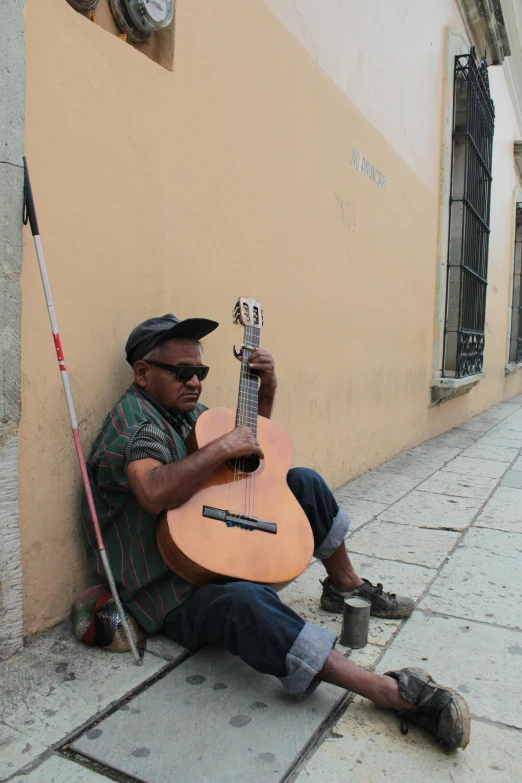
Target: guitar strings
<point>242,488</point>
<point>253,385</point>
<point>251,424</point>
<point>243,393</point>
<point>237,463</point>
<point>248,480</point>
<point>243,407</point>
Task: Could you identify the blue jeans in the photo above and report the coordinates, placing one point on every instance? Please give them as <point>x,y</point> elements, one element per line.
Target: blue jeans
<point>252,621</point>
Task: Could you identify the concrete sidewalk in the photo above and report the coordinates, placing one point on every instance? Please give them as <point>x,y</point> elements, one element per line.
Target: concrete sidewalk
<point>442,522</point>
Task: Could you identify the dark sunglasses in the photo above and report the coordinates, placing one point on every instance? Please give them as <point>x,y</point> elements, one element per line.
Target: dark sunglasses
<point>184,372</point>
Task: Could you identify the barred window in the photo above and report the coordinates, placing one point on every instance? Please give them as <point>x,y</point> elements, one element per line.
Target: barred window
<point>468,245</point>
<point>515,341</point>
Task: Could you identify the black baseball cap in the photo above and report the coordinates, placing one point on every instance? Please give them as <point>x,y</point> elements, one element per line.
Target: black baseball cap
<point>154,331</point>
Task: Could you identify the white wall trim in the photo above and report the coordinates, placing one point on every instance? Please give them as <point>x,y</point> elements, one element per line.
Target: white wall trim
<point>513,65</point>
<point>517,198</point>
<point>513,92</point>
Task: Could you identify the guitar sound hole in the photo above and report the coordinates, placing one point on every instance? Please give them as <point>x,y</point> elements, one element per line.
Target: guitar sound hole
<point>244,464</point>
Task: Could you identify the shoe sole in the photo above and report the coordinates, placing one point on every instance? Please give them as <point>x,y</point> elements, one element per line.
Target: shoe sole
<point>406,612</point>
<point>335,607</point>
<point>463,708</point>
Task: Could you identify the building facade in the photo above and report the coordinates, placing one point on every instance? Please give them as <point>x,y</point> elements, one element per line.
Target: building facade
<point>351,165</point>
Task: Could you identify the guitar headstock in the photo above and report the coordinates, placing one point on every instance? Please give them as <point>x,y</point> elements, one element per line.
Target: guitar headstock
<point>248,312</point>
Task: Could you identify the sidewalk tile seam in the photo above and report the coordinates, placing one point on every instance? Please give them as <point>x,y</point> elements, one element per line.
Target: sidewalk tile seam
<point>447,615</point>
<point>86,762</point>
<point>182,658</point>
<point>420,527</point>
<point>387,559</point>
<point>490,459</point>
<point>446,469</point>
<point>476,526</point>
<point>448,494</point>
<point>321,735</point>
<point>498,724</point>
<point>475,519</point>
<point>31,766</point>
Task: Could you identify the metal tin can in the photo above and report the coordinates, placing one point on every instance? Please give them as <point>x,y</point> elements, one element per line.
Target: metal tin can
<point>356,621</point>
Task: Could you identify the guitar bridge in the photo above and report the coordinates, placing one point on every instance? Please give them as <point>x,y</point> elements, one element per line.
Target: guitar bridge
<point>240,520</point>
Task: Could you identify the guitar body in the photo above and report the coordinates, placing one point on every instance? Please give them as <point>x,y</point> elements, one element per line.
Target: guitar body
<point>206,550</point>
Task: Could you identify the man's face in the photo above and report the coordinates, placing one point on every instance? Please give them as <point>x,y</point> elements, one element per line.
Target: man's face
<point>175,396</point>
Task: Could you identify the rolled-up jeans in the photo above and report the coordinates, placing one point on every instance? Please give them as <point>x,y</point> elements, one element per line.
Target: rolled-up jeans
<point>252,621</point>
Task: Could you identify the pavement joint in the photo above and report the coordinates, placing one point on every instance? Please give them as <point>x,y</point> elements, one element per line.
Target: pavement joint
<point>497,724</point>
<point>97,766</point>
<point>34,764</point>
<point>395,560</point>
<point>448,615</point>
<point>318,737</point>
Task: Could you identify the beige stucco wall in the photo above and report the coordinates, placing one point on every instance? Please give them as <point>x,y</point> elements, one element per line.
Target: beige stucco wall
<point>161,191</point>
<point>386,57</point>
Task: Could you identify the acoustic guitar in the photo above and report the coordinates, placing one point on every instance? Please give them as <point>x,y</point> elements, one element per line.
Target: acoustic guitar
<point>243,522</point>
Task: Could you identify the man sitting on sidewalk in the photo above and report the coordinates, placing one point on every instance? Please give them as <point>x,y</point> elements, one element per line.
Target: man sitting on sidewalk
<point>139,467</point>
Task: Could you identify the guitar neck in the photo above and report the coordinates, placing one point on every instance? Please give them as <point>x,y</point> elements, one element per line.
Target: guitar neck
<point>248,382</point>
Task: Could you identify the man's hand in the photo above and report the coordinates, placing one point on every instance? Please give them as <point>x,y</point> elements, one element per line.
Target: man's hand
<point>241,443</point>
<point>263,363</point>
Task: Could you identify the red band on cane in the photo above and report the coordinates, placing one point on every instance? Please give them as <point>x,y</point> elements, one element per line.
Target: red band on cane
<point>59,351</point>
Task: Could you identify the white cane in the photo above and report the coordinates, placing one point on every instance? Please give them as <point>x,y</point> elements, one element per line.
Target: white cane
<point>30,216</point>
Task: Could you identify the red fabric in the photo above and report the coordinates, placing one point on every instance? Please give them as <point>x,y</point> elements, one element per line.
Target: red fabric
<point>89,637</point>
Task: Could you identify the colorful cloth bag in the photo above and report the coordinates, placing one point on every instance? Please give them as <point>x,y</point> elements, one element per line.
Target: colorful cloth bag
<point>96,621</point>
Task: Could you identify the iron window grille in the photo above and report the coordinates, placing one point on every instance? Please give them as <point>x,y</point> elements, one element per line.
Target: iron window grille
<point>470,197</point>
<point>515,342</point>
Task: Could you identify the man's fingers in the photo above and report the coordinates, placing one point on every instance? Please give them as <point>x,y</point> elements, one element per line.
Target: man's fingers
<point>261,363</point>
<point>260,354</point>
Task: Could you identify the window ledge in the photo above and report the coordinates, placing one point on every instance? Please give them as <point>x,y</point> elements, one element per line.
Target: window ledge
<point>444,389</point>
<point>512,367</point>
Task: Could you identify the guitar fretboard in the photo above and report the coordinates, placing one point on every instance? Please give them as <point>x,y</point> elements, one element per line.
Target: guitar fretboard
<point>248,383</point>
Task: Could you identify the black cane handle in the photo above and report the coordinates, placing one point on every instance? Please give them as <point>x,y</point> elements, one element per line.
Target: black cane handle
<point>29,210</point>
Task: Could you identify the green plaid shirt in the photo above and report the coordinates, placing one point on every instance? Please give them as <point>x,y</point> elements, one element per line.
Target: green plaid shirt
<point>147,587</point>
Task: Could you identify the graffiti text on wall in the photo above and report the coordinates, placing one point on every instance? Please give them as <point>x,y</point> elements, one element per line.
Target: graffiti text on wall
<point>367,169</point>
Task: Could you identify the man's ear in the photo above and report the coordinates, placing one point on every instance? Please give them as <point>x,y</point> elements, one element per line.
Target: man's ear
<point>141,373</point>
